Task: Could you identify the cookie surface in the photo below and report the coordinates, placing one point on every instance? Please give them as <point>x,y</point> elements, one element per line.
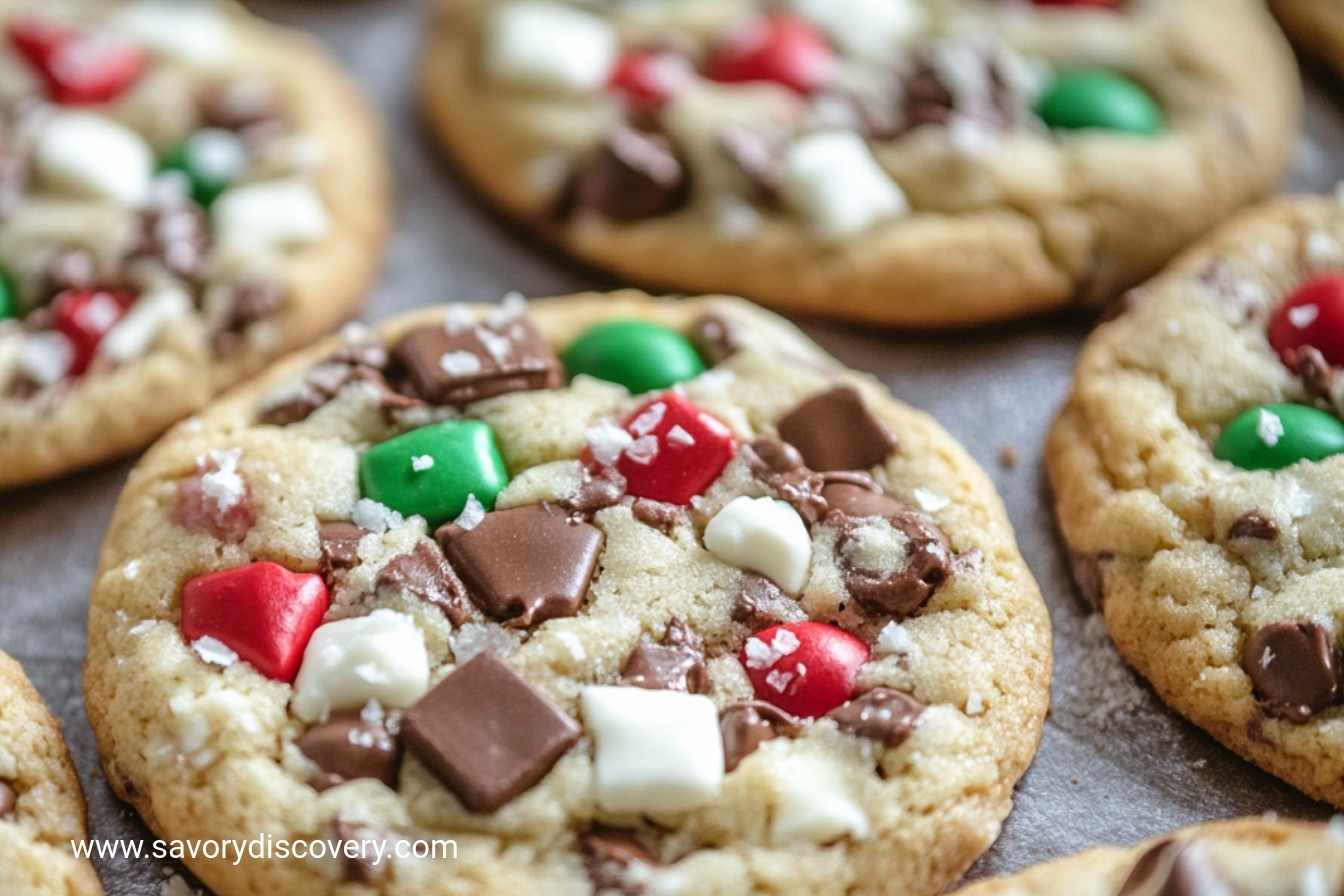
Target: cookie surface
<point>1316,26</point>
<point>894,162</point>
<point>41,804</point>
<point>628,643</point>
<point>1251,857</point>
<point>1198,485</point>
<point>185,193</point>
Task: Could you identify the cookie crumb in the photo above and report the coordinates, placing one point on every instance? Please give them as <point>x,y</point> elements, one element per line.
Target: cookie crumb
<point>1008,457</point>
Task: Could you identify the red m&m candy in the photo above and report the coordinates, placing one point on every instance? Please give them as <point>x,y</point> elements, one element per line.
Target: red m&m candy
<point>784,49</point>
<point>77,68</point>
<point>1312,316</point>
<point>84,316</point>
<point>651,78</point>
<point>804,668</point>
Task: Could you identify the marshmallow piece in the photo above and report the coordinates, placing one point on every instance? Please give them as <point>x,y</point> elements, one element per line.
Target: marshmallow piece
<point>655,751</point>
<point>132,336</point>
<point>870,28</point>
<point>550,46</point>
<point>95,157</point>
<point>192,31</point>
<point>270,214</point>
<point>813,805</point>
<point>765,536</point>
<point>832,179</point>
<point>352,661</point>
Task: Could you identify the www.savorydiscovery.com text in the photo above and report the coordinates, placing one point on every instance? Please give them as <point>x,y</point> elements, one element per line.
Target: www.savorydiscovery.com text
<point>266,846</point>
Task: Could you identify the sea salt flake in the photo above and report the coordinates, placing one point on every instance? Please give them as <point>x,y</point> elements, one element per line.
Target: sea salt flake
<point>131,570</point>
<point>223,485</point>
<point>975,705</point>
<point>460,363</point>
<point>474,638</point>
<point>495,345</point>
<point>678,436</point>
<point>1266,658</point>
<point>1313,882</point>
<point>511,307</point>
<point>643,450</point>
<point>372,713</point>
<point>648,421</point>
<point>606,441</point>
<point>422,462</point>
<point>214,651</point>
<point>142,627</point>
<point>931,501</point>
<point>375,517</point>
<point>894,640</point>
<point>457,319</point>
<point>1269,427</point>
<point>573,645</point>
<point>761,655</point>
<point>1321,249</point>
<point>779,680</point>
<point>472,514</point>
<point>1260,592</point>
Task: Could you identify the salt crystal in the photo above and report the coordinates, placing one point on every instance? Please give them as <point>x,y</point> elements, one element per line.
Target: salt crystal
<point>223,485</point>
<point>894,640</point>
<point>931,501</point>
<point>643,450</point>
<point>761,655</point>
<point>375,517</point>
<point>975,705</point>
<point>460,363</point>
<point>648,421</point>
<point>678,436</point>
<point>1269,427</point>
<point>606,440</point>
<point>573,645</point>
<point>472,514</point>
<point>214,651</point>
<point>422,462</point>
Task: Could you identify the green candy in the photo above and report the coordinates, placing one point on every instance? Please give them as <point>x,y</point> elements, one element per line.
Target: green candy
<point>1092,98</point>
<point>212,159</point>
<point>636,354</point>
<point>455,459</point>
<point>9,306</point>
<point>1274,436</point>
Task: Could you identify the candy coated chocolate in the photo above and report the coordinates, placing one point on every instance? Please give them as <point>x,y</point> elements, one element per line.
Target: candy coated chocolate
<point>1312,316</point>
<point>526,564</point>
<point>433,470</point>
<point>76,69</point>
<point>885,715</point>
<point>469,363</point>
<point>8,304</point>
<point>424,574</point>
<point>804,668</point>
<point>487,733</point>
<point>1176,868</point>
<point>836,430</point>
<point>1292,668</point>
<point>783,49</point>
<point>84,316</point>
<point>650,78</point>
<point>1096,99</point>
<point>1274,436</point>
<point>677,452</point>
<point>212,159</point>
<point>640,355</point>
<point>347,747</point>
<point>747,725</point>
<point>261,611</point>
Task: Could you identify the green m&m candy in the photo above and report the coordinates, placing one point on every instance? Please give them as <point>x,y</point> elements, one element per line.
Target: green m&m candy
<point>1274,436</point>
<point>637,354</point>
<point>433,470</point>
<point>212,159</point>
<point>9,306</point>
<point>1093,98</point>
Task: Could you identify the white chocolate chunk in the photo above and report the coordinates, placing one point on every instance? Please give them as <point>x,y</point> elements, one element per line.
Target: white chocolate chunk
<point>192,31</point>
<point>94,157</point>
<point>833,181</point>
<point>814,805</point>
<point>550,46</point>
<point>271,214</point>
<point>763,535</point>
<point>871,28</point>
<point>655,751</point>
<point>46,357</point>
<point>352,661</point>
<point>132,336</point>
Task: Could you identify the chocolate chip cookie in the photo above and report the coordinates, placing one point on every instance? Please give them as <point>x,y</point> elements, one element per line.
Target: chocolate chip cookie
<point>41,803</point>
<point>898,162</point>
<point>617,595</point>
<point>185,194</point>
<point>1315,26</point>
<point>1247,857</point>
<point>1199,483</point>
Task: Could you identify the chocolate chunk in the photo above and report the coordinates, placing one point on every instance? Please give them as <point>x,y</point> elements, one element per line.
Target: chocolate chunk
<point>348,747</point>
<point>339,542</point>
<point>677,664</point>
<point>760,604</point>
<point>968,80</point>
<point>469,363</point>
<point>758,156</point>
<point>837,431</point>
<point>1253,524</point>
<point>1088,572</point>
<point>1292,667</point>
<point>525,565</point>
<point>658,515</point>
<point>716,337</point>
<point>747,725</point>
<point>9,798</point>
<point>487,733</point>
<point>249,301</point>
<point>635,175</point>
<point>176,235</point>
<point>598,490</point>
<point>365,864</point>
<point>1318,377</point>
<point>238,105</point>
<point>611,858</point>
<point>326,381</point>
<point>1176,868</point>
<point>885,715</point>
<point>423,573</point>
<point>779,465</point>
<point>906,586</point>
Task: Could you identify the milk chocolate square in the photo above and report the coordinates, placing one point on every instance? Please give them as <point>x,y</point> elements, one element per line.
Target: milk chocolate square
<point>836,430</point>
<point>469,363</point>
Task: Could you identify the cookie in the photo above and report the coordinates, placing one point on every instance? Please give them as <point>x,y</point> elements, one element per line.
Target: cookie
<point>185,193</point>
<point>896,162</point>
<point>1198,485</point>
<point>41,803</point>
<point>1316,26</point>
<point>1249,857</point>
<point>716,616</point>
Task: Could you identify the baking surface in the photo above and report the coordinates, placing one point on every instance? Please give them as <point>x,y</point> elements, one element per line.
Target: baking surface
<point>1115,765</point>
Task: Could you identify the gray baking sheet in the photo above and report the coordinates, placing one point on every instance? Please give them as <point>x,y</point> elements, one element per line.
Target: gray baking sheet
<point>1115,765</point>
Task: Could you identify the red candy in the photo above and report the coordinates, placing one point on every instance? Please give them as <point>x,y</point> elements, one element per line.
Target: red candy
<point>782,48</point>
<point>650,79</point>
<point>78,69</point>
<point>84,316</point>
<point>804,668</point>
<point>676,451</point>
<point>262,612</point>
<point>1312,316</point>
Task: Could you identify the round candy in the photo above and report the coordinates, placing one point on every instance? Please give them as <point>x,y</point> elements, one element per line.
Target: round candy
<point>636,354</point>
<point>1274,436</point>
<point>212,159</point>
<point>8,301</point>
<point>804,668</point>
<point>85,316</point>
<point>650,79</point>
<point>784,49</point>
<point>433,471</point>
<point>1091,98</point>
<point>1312,316</point>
